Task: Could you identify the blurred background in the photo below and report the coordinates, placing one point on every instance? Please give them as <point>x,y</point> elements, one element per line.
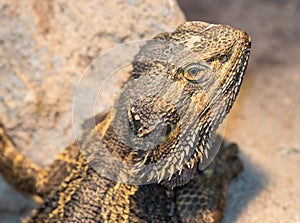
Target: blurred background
<point>265,119</point>
<point>45,46</point>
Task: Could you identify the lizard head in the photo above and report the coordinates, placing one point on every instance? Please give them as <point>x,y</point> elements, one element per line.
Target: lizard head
<point>182,86</point>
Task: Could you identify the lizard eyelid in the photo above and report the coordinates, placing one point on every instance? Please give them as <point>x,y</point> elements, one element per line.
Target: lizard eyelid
<point>194,72</point>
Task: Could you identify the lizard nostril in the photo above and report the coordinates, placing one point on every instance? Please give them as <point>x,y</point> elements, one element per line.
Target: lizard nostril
<point>247,38</point>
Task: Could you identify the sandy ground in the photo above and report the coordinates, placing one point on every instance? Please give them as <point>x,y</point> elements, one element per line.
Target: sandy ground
<point>265,119</point>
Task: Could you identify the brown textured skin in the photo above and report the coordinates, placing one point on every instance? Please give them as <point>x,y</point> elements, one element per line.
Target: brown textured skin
<point>174,104</point>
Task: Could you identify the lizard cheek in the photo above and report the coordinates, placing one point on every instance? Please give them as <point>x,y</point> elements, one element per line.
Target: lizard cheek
<point>201,101</point>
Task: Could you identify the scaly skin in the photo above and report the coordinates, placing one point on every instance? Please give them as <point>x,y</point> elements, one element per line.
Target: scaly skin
<point>182,86</point>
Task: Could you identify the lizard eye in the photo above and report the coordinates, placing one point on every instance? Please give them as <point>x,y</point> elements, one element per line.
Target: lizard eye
<point>194,72</point>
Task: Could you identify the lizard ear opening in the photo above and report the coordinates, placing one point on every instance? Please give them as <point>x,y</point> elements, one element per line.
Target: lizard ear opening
<point>156,128</point>
<point>152,117</point>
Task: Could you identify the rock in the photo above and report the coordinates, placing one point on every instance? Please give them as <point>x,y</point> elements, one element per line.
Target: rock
<point>45,46</point>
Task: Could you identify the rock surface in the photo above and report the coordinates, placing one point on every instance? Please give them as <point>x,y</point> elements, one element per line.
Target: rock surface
<point>45,47</point>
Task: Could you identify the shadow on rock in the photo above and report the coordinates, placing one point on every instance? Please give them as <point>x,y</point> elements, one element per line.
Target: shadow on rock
<point>13,205</point>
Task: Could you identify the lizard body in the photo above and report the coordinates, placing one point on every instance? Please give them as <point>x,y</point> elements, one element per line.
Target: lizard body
<point>182,86</point>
